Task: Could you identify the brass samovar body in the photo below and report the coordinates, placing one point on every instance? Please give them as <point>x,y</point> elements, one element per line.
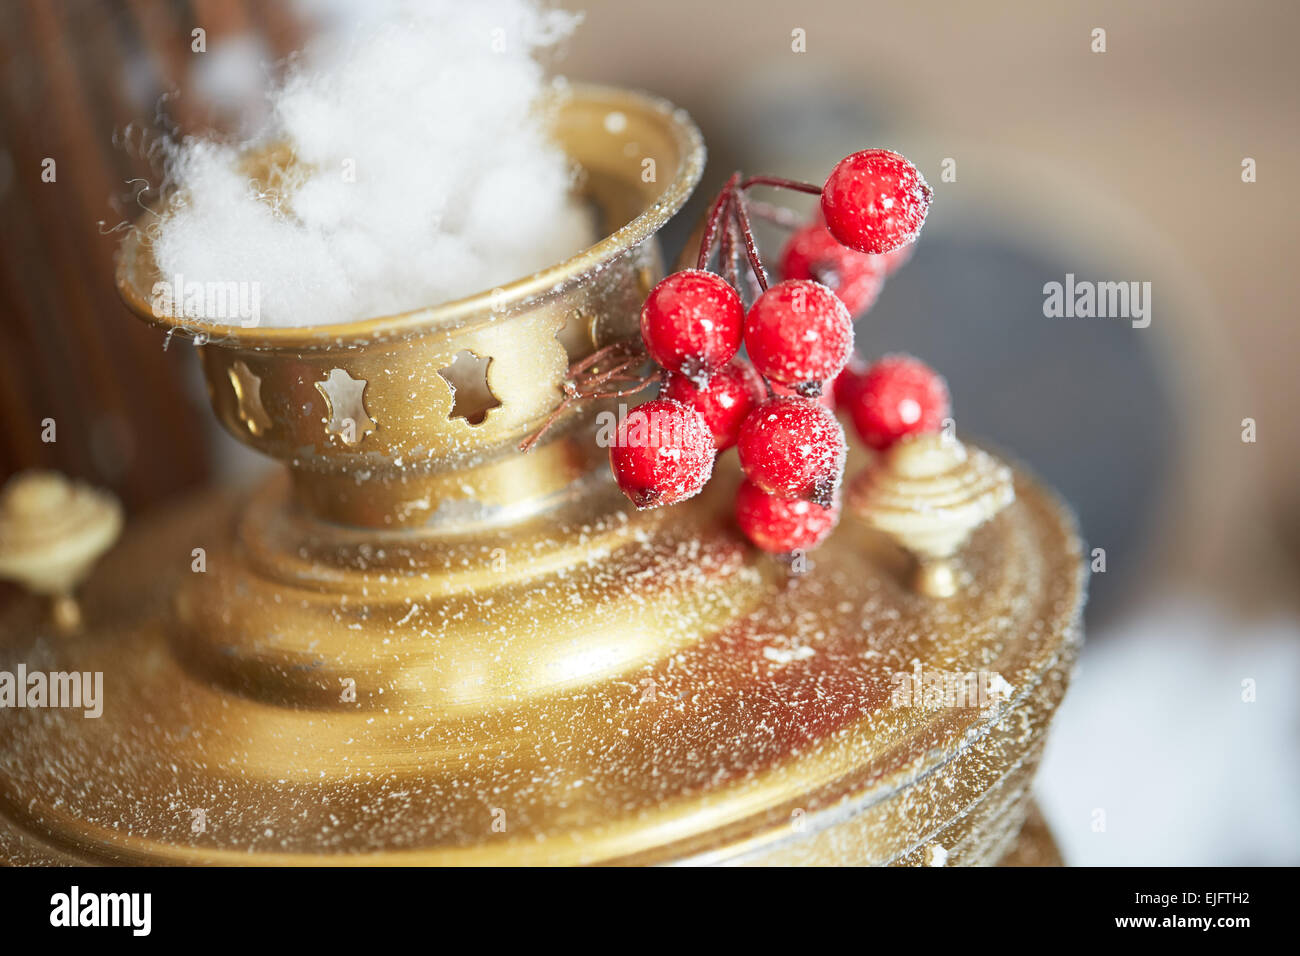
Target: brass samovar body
<point>415,644</point>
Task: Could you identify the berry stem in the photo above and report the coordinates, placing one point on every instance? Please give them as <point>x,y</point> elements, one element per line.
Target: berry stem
<point>627,348</point>
<point>777,215</point>
<point>778,183</point>
<point>636,386</point>
<point>617,372</point>
<point>584,381</point>
<point>727,250</point>
<point>751,247</point>
<point>715,216</point>
<point>527,444</point>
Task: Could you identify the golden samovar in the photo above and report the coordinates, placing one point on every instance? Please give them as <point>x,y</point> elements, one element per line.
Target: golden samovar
<point>416,644</point>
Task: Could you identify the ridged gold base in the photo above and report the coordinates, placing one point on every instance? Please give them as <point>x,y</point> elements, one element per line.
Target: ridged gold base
<point>614,688</point>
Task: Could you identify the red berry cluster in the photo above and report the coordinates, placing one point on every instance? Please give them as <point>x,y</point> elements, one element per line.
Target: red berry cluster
<point>856,277</point>
<point>777,407</point>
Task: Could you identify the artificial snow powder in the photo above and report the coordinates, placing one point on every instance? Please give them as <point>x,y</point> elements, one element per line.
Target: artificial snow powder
<point>424,174</point>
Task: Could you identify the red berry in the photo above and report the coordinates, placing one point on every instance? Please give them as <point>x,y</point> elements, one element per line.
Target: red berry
<point>875,201</point>
<point>890,262</point>
<point>849,382</point>
<point>799,334</point>
<point>793,447</point>
<point>691,322</point>
<point>813,253</point>
<point>724,402</point>
<point>897,396</point>
<point>783,524</point>
<point>662,453</point>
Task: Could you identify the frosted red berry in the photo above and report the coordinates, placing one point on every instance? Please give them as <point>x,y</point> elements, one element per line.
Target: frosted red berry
<point>889,262</point>
<point>723,402</point>
<point>662,453</point>
<point>799,333</point>
<point>897,396</point>
<point>691,322</point>
<point>793,447</point>
<point>813,253</point>
<point>875,201</point>
<point>849,382</point>
<point>780,525</point>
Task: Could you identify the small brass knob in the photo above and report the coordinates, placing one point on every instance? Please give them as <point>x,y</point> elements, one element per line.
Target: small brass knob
<point>929,493</point>
<point>52,531</point>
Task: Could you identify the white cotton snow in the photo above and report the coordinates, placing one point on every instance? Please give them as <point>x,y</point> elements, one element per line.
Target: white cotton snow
<point>425,172</point>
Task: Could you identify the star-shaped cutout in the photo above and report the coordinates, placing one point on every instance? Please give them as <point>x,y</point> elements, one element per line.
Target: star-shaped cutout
<point>248,393</point>
<point>577,335</point>
<point>471,395</point>
<point>343,394</point>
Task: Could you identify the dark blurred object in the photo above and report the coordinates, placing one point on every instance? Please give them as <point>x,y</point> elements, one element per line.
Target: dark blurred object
<point>83,86</point>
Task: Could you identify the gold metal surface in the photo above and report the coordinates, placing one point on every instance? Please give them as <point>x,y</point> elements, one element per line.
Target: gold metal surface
<point>425,647</point>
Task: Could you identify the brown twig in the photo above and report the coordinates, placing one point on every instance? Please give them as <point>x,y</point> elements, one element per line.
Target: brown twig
<point>586,381</point>
<point>715,215</point>
<point>751,247</point>
<point>727,251</point>
<point>778,183</point>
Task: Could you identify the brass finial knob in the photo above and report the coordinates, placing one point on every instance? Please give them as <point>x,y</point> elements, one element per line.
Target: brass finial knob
<point>52,531</point>
<point>929,493</point>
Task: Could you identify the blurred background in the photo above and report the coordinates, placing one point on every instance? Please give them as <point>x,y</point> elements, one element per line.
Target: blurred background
<point>1179,742</point>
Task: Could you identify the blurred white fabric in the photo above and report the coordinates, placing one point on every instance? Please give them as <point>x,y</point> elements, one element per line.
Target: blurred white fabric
<point>1154,733</point>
